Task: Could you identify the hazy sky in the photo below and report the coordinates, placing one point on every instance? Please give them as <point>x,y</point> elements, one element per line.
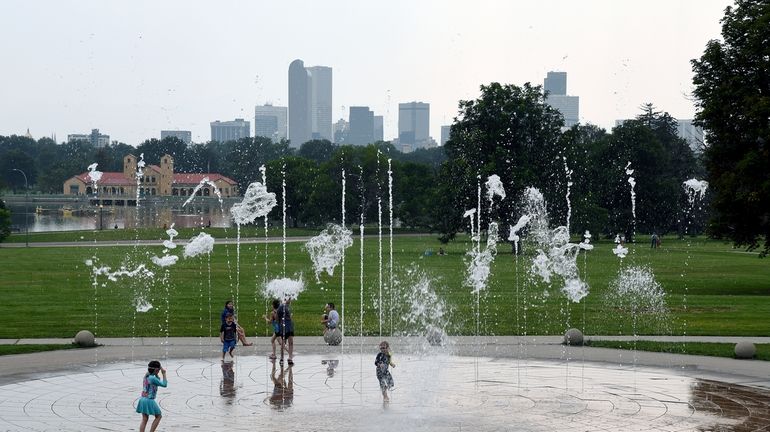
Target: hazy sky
<point>132,68</point>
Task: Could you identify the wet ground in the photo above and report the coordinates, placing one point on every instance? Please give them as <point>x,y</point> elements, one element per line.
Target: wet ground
<point>334,392</point>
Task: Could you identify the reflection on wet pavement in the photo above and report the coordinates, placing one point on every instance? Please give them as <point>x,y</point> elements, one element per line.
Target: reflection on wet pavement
<point>341,393</point>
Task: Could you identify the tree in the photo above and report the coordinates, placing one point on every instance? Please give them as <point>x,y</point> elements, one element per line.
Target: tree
<point>317,150</point>
<point>732,91</point>
<point>509,131</point>
<point>5,221</point>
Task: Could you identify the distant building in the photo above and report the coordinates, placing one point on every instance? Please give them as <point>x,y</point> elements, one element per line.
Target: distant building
<point>270,122</point>
<point>379,131</point>
<point>414,124</point>
<point>182,135</point>
<point>555,85</point>
<point>320,102</point>
<point>361,126</point>
<point>690,133</point>
<point>119,188</point>
<point>445,134</point>
<point>230,130</point>
<point>310,103</point>
<point>341,129</point>
<point>96,139</point>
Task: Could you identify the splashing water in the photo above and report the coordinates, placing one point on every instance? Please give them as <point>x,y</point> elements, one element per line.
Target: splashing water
<point>165,261</point>
<point>494,188</point>
<point>201,244</point>
<point>514,233</point>
<point>171,232</point>
<point>586,244</point>
<point>427,314</point>
<point>696,189</point>
<point>203,182</point>
<point>93,174</point>
<point>284,288</point>
<point>568,174</point>
<point>637,285</point>
<point>327,249</point>
<point>257,202</point>
<point>556,256</point>
<point>480,262</point>
<point>632,182</point>
<point>139,175</point>
<point>620,251</point>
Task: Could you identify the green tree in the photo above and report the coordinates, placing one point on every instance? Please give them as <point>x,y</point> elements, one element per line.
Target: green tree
<point>5,221</point>
<point>317,150</point>
<point>732,91</point>
<point>508,131</point>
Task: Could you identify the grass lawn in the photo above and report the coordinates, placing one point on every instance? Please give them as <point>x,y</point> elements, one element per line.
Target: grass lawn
<point>691,348</point>
<point>26,349</point>
<point>710,288</point>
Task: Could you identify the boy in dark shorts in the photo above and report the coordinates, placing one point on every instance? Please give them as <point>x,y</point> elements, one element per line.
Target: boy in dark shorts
<point>287,329</point>
<point>228,335</point>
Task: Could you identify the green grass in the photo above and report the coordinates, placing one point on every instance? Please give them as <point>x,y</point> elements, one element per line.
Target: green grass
<point>691,348</point>
<point>26,349</point>
<point>49,292</point>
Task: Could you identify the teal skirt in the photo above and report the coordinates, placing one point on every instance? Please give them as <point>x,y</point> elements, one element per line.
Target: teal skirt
<point>148,406</point>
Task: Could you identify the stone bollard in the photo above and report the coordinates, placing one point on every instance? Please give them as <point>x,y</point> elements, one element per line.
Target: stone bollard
<point>333,336</point>
<point>435,337</point>
<point>573,337</point>
<point>745,350</point>
<point>85,338</point>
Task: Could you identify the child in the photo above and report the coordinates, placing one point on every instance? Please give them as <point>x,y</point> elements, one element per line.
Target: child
<point>230,309</point>
<point>147,404</point>
<point>382,361</point>
<point>273,320</point>
<point>227,335</point>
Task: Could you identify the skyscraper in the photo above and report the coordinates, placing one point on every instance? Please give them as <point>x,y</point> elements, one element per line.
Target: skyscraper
<point>413,124</point>
<point>321,102</point>
<point>555,84</point>
<point>230,130</point>
<point>445,133</point>
<point>270,122</point>
<point>310,103</point>
<point>361,130</point>
<point>300,121</point>
<point>379,131</point>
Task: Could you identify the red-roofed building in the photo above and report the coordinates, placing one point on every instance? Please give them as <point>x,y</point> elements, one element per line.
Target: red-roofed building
<point>153,180</point>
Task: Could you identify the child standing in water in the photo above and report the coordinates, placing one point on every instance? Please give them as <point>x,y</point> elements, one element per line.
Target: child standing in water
<point>273,320</point>
<point>230,310</point>
<point>147,405</point>
<point>227,334</point>
<point>382,361</point>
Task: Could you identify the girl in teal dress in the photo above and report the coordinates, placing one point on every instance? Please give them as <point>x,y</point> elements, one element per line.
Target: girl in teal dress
<point>147,405</point>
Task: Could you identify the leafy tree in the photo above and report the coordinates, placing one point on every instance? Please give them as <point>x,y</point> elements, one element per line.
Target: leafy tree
<point>17,159</point>
<point>5,221</point>
<point>317,150</point>
<point>508,131</point>
<point>153,149</point>
<point>732,91</point>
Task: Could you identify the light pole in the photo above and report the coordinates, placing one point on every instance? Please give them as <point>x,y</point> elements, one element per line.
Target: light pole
<point>26,204</point>
<point>101,218</point>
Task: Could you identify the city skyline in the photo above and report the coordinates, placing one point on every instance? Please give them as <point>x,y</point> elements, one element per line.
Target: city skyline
<point>120,70</point>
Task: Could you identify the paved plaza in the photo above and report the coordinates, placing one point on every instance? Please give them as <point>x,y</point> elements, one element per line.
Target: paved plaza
<point>470,386</point>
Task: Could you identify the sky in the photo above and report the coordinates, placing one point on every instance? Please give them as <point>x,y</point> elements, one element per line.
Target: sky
<point>133,68</point>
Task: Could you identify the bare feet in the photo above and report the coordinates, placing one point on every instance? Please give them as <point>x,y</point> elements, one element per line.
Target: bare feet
<point>248,343</point>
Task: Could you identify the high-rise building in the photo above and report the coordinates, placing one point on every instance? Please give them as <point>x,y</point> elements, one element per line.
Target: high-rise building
<point>445,134</point>
<point>414,124</point>
<point>182,135</point>
<point>96,139</point>
<point>690,133</point>
<point>555,85</point>
<point>361,126</point>
<point>310,103</point>
<point>270,122</point>
<point>341,129</point>
<point>379,131</point>
<point>230,130</point>
<point>320,102</point>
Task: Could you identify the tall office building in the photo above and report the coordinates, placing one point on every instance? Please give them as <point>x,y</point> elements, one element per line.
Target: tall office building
<point>320,102</point>
<point>555,84</point>
<point>445,134</point>
<point>414,124</point>
<point>230,130</point>
<point>361,130</point>
<point>270,122</point>
<point>341,129</point>
<point>96,139</point>
<point>181,135</point>
<point>379,130</point>
<point>310,103</point>
<point>690,133</point>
